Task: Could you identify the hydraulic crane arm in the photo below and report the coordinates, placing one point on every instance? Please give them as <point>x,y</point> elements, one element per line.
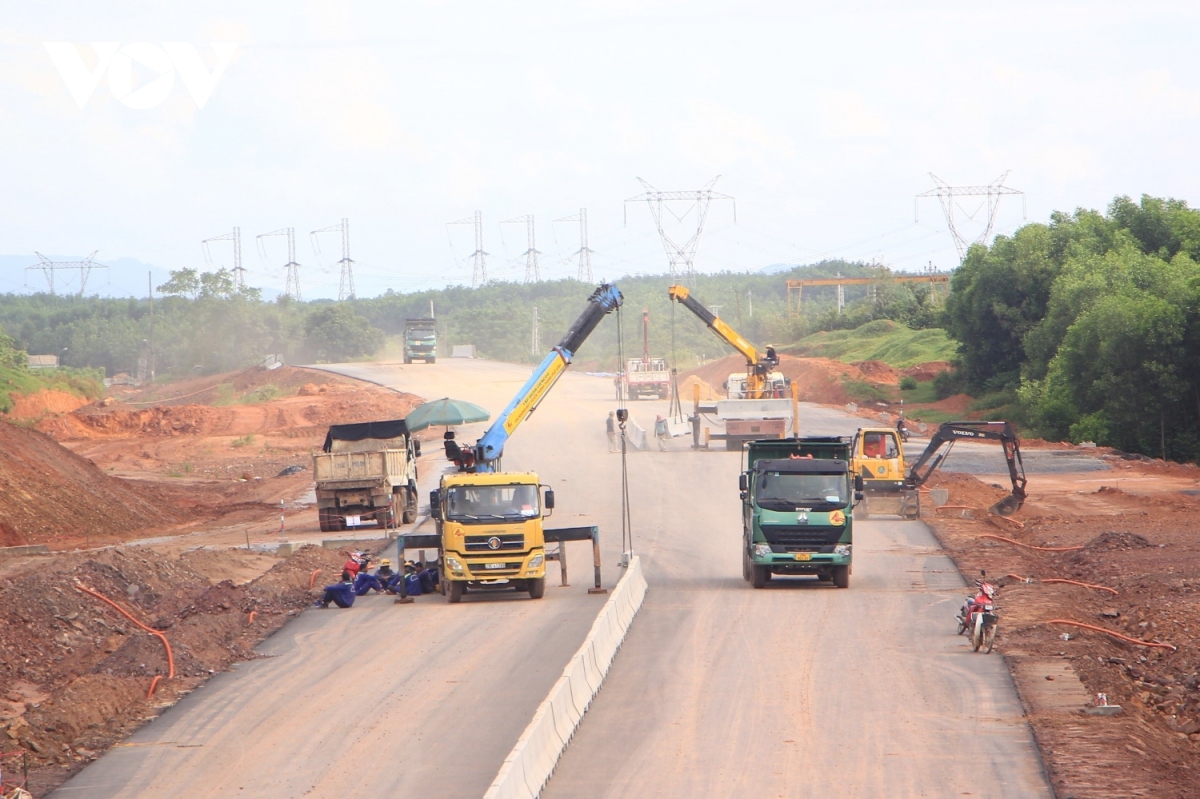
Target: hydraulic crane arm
<point>724,332</point>
<point>949,433</point>
<point>605,299</point>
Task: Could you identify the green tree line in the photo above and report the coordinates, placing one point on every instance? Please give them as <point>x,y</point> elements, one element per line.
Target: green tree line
<point>1092,324</point>
<point>202,321</point>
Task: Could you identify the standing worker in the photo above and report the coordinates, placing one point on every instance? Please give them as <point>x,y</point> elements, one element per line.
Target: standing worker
<point>661,433</point>
<point>611,427</point>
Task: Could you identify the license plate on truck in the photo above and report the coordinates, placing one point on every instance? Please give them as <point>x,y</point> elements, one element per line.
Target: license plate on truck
<point>353,521</point>
<point>494,565</point>
<point>802,555</point>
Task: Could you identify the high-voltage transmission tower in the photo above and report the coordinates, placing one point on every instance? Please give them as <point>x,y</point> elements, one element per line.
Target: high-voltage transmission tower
<point>532,272</point>
<point>346,283</point>
<point>682,257</point>
<point>239,273</point>
<point>293,269</point>
<point>479,275</point>
<point>50,267</point>
<point>584,252</point>
<point>947,195</point>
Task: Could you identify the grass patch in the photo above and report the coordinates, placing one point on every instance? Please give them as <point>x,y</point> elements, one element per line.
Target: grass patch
<point>87,383</point>
<point>244,441</point>
<point>924,393</point>
<point>263,394</point>
<point>931,415</point>
<point>881,340</point>
<point>861,391</point>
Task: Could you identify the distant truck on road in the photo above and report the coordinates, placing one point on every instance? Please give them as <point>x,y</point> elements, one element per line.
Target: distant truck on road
<point>798,498</point>
<point>366,473</point>
<point>645,377</point>
<point>420,340</point>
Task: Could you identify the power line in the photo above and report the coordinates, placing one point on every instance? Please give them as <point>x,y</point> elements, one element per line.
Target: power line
<point>239,279</point>
<point>681,257</point>
<point>346,282</point>
<point>532,271</point>
<point>49,267</point>
<point>584,253</point>
<point>947,194</point>
<point>292,288</point>
<point>479,273</point>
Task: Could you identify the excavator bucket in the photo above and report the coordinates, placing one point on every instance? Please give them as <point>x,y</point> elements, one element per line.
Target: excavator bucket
<point>1007,506</point>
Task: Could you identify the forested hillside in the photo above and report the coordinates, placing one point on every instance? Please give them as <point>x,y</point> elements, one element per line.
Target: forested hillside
<point>203,321</point>
<point>1092,322</point>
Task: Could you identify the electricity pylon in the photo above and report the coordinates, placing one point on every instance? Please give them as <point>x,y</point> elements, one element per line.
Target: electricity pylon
<point>681,257</point>
<point>346,282</point>
<point>235,236</point>
<point>947,194</point>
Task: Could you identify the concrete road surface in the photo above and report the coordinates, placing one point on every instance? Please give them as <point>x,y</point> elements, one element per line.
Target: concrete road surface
<point>799,689</point>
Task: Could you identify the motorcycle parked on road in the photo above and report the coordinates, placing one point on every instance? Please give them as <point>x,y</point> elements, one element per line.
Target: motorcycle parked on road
<point>979,615</point>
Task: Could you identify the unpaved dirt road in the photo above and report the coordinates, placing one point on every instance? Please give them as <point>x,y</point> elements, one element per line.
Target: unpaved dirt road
<point>720,690</point>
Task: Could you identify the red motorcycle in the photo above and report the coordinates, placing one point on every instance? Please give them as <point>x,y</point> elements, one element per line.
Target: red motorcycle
<point>979,615</point>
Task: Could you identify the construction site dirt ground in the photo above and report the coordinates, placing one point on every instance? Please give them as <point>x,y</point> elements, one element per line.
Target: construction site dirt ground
<point>195,476</point>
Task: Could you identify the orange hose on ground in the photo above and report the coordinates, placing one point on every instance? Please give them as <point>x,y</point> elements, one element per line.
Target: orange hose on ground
<point>1112,591</point>
<point>128,615</point>
<point>1017,522</point>
<point>312,578</point>
<point>251,619</point>
<point>153,685</point>
<point>1029,546</point>
<point>1113,634</point>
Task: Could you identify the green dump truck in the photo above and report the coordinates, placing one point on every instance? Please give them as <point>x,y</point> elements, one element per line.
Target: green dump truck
<point>798,497</point>
<point>420,340</point>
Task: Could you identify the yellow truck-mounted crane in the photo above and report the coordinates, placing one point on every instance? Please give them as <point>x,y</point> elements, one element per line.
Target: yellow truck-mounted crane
<point>760,404</point>
<point>490,529</point>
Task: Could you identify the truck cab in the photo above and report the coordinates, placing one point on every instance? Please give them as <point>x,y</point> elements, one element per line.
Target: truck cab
<point>420,340</point>
<point>491,530</point>
<point>798,497</point>
<point>878,458</point>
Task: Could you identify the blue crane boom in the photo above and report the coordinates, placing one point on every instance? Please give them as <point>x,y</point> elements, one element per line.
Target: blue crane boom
<point>605,299</point>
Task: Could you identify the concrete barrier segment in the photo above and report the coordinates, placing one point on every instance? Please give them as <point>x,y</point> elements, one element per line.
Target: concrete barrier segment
<point>532,760</point>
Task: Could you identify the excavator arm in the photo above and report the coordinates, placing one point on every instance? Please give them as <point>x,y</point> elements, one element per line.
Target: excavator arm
<point>951,432</point>
<point>605,299</point>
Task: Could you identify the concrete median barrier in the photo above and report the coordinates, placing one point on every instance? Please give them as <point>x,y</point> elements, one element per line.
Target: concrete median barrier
<point>532,761</point>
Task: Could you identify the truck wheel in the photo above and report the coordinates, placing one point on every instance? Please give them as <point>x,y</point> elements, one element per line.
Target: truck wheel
<point>431,360</point>
<point>407,359</point>
<point>747,566</point>
<point>537,588</point>
<point>409,514</point>
<point>456,591</point>
<point>824,577</point>
<point>323,518</point>
<point>841,576</point>
<point>759,576</point>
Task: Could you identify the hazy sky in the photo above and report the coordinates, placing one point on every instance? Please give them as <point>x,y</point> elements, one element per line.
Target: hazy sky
<point>824,120</point>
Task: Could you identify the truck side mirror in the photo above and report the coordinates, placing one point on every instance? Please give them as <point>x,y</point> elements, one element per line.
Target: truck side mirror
<point>858,482</point>
<point>743,482</point>
<point>549,499</point>
<point>858,496</point>
<point>416,448</point>
<point>435,505</point>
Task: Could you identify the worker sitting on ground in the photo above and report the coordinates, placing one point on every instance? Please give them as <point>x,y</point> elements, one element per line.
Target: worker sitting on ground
<point>365,581</point>
<point>340,593</point>
<point>384,572</point>
<point>428,577</point>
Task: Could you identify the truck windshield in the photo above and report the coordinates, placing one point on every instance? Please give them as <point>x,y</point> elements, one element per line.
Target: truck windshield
<point>488,503</point>
<point>781,491</point>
